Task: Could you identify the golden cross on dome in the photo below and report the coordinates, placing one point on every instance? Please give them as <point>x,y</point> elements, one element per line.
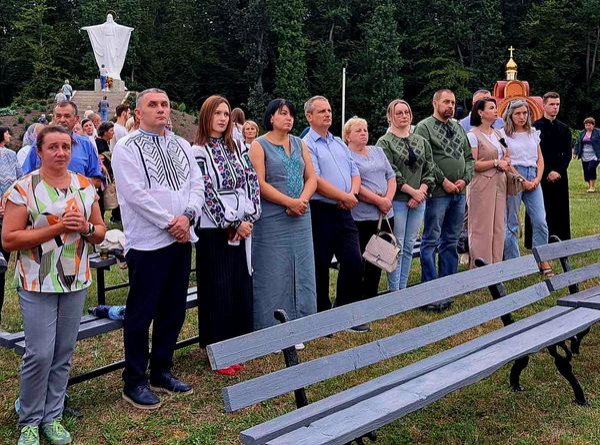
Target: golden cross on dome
<point>511,49</point>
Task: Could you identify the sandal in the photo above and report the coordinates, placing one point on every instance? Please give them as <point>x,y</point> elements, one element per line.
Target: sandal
<point>546,269</point>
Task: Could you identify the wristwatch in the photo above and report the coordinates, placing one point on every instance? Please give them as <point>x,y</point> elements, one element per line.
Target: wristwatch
<point>91,230</point>
<point>495,163</point>
<point>189,214</point>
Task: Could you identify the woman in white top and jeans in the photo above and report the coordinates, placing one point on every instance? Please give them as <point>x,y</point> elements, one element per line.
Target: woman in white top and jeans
<point>526,156</point>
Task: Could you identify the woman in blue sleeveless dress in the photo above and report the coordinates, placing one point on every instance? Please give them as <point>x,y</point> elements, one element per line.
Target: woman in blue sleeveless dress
<point>282,247</point>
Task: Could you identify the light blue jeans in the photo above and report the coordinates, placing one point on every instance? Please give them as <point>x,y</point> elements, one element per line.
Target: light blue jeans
<point>534,203</point>
<point>444,217</point>
<point>407,223</point>
<point>51,322</point>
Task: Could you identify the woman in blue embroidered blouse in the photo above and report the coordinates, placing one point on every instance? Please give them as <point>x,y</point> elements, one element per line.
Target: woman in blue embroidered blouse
<point>10,171</point>
<point>282,248</point>
<point>231,206</point>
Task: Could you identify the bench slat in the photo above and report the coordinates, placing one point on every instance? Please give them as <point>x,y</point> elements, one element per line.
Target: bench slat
<point>575,300</point>
<point>380,410</point>
<point>96,326</point>
<point>263,432</point>
<point>275,338</point>
<point>566,248</point>
<point>304,374</point>
<point>566,279</point>
<point>9,339</point>
<point>589,299</point>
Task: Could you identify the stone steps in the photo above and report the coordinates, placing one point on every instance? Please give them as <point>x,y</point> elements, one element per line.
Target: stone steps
<point>89,100</point>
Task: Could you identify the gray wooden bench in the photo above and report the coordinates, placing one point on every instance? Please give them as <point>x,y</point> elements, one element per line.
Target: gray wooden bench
<point>91,326</point>
<point>358,411</point>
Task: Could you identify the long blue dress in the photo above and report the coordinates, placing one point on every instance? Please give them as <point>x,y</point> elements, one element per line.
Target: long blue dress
<point>282,246</point>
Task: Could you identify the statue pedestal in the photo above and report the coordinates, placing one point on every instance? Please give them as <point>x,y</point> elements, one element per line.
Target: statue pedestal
<point>118,86</point>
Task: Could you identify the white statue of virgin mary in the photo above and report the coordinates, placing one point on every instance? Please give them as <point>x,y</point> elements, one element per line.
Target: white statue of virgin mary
<point>109,42</point>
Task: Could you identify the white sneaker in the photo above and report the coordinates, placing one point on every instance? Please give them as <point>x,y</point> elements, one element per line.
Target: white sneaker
<point>300,346</point>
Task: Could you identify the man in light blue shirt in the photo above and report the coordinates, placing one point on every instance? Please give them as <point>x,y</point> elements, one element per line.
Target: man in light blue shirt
<point>334,231</point>
<point>84,159</point>
<point>466,121</point>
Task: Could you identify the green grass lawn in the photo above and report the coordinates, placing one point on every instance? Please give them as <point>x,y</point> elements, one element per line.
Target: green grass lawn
<point>484,413</point>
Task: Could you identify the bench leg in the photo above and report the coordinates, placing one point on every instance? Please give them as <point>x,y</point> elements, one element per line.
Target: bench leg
<point>576,340</point>
<point>563,364</point>
<point>291,359</point>
<point>515,373</point>
<point>372,436</point>
<point>74,412</point>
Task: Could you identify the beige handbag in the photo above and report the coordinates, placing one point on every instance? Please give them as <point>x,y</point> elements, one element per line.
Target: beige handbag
<point>110,195</point>
<point>381,252</point>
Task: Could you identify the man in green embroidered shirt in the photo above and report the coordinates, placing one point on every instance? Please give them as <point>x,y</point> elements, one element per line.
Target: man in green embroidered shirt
<point>453,170</point>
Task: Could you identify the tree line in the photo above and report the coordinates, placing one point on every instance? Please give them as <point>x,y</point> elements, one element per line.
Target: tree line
<point>254,50</point>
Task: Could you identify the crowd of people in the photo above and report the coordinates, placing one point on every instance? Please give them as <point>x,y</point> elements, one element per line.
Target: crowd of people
<point>266,214</point>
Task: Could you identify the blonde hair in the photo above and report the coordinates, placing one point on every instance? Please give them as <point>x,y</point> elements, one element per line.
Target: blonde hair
<point>392,105</point>
<point>348,126</point>
<point>250,123</point>
<point>509,125</point>
<point>589,120</point>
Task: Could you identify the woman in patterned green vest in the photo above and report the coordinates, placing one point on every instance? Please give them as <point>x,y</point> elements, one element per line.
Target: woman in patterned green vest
<point>412,161</point>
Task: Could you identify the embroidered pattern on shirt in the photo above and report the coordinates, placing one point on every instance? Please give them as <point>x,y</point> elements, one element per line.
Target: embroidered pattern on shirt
<point>167,167</point>
<point>450,139</point>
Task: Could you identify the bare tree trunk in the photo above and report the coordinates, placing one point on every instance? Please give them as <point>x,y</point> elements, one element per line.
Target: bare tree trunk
<point>331,32</point>
<point>593,70</point>
<point>587,59</point>
<point>462,60</point>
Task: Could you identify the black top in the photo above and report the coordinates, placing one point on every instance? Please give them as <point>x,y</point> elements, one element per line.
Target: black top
<point>102,145</point>
<point>555,143</point>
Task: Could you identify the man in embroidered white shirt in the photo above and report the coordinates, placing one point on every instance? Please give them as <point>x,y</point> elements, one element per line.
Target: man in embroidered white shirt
<point>160,190</point>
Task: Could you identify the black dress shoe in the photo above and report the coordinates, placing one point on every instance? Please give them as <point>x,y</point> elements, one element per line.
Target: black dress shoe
<point>439,307</point>
<point>167,383</point>
<point>141,397</point>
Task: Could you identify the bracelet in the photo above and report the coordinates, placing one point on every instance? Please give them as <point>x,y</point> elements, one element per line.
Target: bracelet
<point>91,230</point>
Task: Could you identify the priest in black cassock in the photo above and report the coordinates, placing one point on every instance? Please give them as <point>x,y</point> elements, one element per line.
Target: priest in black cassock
<point>556,150</point>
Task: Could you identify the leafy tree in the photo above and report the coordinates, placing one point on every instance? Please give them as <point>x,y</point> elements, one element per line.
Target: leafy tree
<point>381,72</point>
<point>289,43</point>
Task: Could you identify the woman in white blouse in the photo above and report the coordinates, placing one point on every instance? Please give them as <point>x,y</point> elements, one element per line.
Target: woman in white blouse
<point>232,205</point>
<point>524,145</point>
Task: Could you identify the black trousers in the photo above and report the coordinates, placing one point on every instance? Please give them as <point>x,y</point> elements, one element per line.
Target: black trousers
<point>335,233</point>
<point>371,274</point>
<point>589,170</point>
<point>157,293</point>
<point>225,304</point>
<point>3,278</point>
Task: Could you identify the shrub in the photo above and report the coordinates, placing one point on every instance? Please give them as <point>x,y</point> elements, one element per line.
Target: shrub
<point>21,119</point>
<point>8,111</point>
<point>182,107</point>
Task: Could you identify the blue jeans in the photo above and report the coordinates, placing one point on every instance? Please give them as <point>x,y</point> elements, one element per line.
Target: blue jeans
<point>534,203</point>
<point>407,223</point>
<point>443,221</point>
<point>103,115</point>
<point>103,82</point>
